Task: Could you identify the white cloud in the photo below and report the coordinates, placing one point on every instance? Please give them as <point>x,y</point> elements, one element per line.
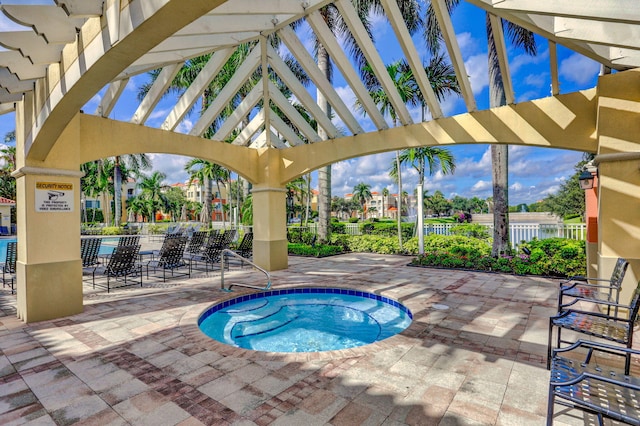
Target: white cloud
<point>579,69</point>
<point>474,168</point>
<point>171,165</point>
<point>524,59</point>
<point>536,80</point>
<point>467,43</point>
<point>478,71</point>
<point>184,126</point>
<point>481,185</point>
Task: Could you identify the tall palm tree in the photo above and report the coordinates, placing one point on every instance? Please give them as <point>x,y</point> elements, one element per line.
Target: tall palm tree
<point>521,38</point>
<point>152,191</point>
<point>405,83</point>
<point>443,81</point>
<point>362,194</point>
<point>333,18</point>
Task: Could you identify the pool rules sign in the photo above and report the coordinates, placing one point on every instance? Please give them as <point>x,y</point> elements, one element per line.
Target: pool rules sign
<point>54,197</point>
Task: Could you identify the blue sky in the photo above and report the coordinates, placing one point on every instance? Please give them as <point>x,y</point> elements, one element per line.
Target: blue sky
<point>533,172</point>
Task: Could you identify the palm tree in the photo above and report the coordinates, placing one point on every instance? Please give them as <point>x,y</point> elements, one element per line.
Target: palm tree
<point>206,172</point>
<point>362,194</point>
<point>124,166</point>
<point>337,25</point>
<point>385,194</point>
<point>96,181</point>
<point>524,39</point>
<point>152,191</point>
<point>8,165</point>
<point>443,82</point>
<point>402,76</point>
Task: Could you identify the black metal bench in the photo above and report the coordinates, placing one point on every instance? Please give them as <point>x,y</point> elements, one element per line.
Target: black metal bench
<point>592,385</point>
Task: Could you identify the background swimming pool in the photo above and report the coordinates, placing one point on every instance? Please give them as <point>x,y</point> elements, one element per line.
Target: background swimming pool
<point>107,246</point>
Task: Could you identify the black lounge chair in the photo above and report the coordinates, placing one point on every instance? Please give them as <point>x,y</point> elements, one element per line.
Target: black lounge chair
<point>122,264</point>
<point>129,240</point>
<point>9,266</point>
<point>211,253</point>
<point>171,257</point>
<point>89,251</point>
<point>601,289</point>
<point>613,328</point>
<point>196,242</point>
<point>245,248</point>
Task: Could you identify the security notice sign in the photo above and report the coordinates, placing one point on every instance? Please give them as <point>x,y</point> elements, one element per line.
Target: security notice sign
<point>54,197</point>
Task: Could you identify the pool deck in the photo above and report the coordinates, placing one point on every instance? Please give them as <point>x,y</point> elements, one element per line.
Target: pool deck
<point>135,356</point>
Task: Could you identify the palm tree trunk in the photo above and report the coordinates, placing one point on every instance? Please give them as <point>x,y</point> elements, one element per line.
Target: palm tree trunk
<point>206,204</point>
<point>499,156</point>
<point>324,173</point>
<point>308,203</point>
<point>399,200</point>
<point>499,163</point>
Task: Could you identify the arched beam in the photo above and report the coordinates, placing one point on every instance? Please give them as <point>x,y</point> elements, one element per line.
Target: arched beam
<point>92,62</point>
<point>103,137</point>
<point>563,121</point>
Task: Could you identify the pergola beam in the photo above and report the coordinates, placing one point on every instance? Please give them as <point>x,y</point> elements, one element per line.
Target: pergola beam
<point>449,36</point>
<point>310,66</point>
<point>340,59</point>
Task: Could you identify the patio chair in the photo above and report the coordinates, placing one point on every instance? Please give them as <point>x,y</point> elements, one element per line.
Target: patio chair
<point>128,240</point>
<point>196,242</point>
<point>579,287</point>
<point>592,386</point>
<point>9,266</point>
<point>211,253</point>
<point>171,258</point>
<point>89,250</point>
<point>122,264</point>
<point>598,324</point>
<point>245,248</point>
<point>4,231</point>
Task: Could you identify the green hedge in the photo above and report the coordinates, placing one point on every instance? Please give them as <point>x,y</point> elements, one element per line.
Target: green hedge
<point>319,250</point>
<point>549,257</point>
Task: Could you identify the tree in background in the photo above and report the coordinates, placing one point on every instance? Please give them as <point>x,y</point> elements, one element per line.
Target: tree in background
<point>7,166</point>
<point>362,194</point>
<point>521,38</point>
<point>152,192</point>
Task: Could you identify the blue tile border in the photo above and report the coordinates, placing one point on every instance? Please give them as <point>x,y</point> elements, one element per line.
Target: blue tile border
<point>303,290</point>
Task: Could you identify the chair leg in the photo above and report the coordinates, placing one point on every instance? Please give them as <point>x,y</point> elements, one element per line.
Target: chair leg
<point>549,345</point>
<point>550,405</point>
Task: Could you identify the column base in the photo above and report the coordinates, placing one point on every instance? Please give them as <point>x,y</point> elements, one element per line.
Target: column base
<point>271,255</point>
<point>49,290</point>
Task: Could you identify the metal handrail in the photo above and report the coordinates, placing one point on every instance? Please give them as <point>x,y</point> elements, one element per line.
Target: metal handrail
<point>234,254</point>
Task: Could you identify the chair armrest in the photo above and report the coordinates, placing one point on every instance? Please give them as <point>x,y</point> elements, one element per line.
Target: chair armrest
<point>598,346</point>
<point>574,285</point>
<point>594,313</point>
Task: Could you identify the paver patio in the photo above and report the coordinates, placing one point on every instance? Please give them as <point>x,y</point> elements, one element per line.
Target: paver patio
<point>136,356</point>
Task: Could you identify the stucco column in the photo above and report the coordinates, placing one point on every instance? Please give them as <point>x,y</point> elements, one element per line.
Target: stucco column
<point>618,162</point>
<point>269,211</point>
<point>269,227</point>
<point>48,269</point>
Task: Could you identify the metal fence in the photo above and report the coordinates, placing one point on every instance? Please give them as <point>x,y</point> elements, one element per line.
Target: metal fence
<point>518,232</point>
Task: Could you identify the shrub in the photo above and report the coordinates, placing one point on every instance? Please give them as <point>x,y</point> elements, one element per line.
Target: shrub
<point>338,227</point>
<point>551,257</point>
<point>111,230</point>
<point>471,230</point>
<point>319,250</point>
<point>354,219</point>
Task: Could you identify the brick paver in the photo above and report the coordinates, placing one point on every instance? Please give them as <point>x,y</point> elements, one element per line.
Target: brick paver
<point>474,354</point>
